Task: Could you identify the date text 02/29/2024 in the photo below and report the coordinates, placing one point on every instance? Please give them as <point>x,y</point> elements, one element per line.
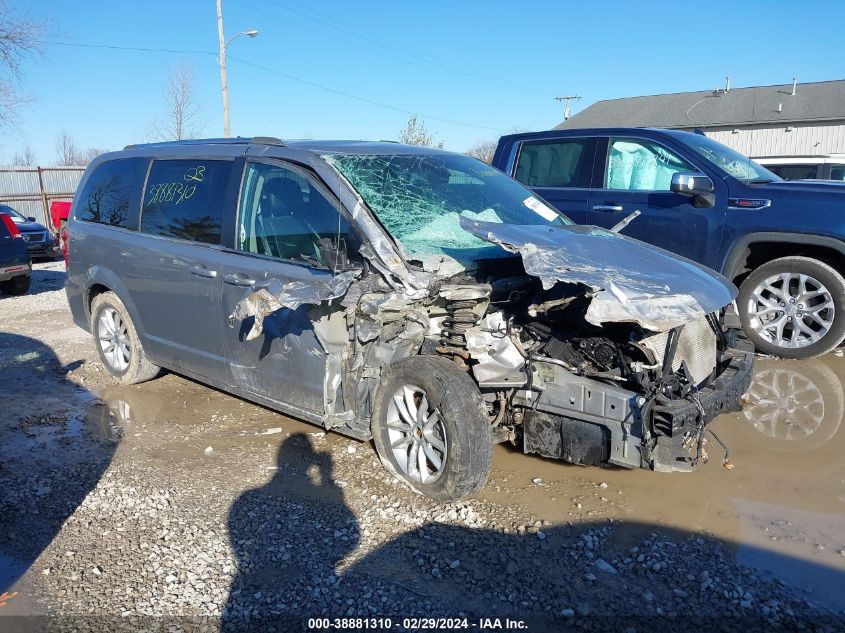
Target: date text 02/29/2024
<point>416,624</point>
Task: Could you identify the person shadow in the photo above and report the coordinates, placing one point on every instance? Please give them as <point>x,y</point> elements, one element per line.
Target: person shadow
<point>48,461</point>
<point>283,568</point>
<point>295,541</point>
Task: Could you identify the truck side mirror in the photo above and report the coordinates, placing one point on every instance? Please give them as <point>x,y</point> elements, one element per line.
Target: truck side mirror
<point>694,185</point>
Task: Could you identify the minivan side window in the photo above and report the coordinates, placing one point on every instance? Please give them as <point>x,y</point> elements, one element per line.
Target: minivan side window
<point>110,195</point>
<point>283,215</point>
<point>185,198</point>
<point>640,165</point>
<point>567,163</point>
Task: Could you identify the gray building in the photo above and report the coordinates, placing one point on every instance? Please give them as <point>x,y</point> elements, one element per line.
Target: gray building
<point>790,120</point>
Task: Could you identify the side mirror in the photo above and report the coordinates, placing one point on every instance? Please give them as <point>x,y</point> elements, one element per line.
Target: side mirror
<point>694,185</point>
<point>31,219</point>
<point>691,184</point>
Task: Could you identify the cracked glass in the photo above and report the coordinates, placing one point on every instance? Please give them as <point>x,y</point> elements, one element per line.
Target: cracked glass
<point>420,198</point>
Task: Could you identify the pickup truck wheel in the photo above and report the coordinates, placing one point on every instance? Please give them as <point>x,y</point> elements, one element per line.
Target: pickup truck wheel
<point>117,341</point>
<point>431,429</point>
<point>16,285</point>
<point>793,307</point>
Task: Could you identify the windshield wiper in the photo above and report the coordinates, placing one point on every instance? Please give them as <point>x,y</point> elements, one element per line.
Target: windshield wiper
<point>760,181</point>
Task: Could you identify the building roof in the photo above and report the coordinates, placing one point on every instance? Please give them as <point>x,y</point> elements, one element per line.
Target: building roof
<point>821,101</point>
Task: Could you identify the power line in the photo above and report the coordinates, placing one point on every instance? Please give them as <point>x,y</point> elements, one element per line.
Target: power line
<point>280,74</point>
<point>363,99</point>
<point>321,18</point>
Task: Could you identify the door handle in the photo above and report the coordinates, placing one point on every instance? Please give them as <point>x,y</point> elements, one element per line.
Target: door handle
<point>607,207</point>
<point>202,271</point>
<point>238,280</point>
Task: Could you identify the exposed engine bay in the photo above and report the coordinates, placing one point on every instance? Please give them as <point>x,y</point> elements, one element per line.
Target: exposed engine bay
<point>567,389</point>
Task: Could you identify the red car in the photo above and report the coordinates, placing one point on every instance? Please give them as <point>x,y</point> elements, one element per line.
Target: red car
<point>59,212</point>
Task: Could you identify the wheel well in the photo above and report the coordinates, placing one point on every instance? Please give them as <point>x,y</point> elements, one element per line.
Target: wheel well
<point>759,253</point>
<point>93,291</point>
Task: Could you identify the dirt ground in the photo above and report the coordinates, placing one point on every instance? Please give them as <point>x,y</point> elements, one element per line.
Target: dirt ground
<point>174,504</point>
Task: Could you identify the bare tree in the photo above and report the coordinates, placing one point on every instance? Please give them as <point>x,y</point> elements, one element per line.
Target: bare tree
<point>20,38</point>
<point>25,157</point>
<point>416,133</point>
<point>67,152</point>
<point>183,116</point>
<point>483,150</point>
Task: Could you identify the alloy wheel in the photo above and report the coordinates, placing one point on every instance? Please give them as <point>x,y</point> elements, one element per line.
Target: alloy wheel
<point>113,336</point>
<point>791,310</point>
<point>416,434</point>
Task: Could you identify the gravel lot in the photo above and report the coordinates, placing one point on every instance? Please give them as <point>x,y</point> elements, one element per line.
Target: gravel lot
<point>170,503</point>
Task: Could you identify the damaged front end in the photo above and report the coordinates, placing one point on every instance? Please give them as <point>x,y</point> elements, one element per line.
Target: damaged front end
<point>605,351</point>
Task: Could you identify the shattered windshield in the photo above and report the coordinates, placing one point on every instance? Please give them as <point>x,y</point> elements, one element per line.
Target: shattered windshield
<point>419,198</point>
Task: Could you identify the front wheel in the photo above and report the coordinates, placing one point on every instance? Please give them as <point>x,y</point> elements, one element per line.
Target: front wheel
<point>431,428</point>
<point>793,307</point>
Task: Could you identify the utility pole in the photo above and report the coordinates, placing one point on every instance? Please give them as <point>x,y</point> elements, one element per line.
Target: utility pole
<point>222,61</point>
<point>567,99</point>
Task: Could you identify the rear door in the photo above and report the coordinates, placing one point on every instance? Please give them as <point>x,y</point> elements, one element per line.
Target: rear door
<point>172,268</point>
<point>560,171</point>
<point>283,213</point>
<point>635,176</point>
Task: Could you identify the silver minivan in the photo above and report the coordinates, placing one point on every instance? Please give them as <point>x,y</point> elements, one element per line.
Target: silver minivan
<point>410,296</point>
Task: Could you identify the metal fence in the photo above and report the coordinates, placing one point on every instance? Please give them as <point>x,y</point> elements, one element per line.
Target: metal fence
<point>30,190</point>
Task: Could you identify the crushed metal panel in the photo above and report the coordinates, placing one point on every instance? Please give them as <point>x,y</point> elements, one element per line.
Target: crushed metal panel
<point>498,360</point>
<point>632,281</point>
<point>267,297</point>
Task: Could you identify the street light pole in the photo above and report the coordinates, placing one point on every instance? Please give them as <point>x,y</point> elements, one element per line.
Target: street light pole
<point>222,61</point>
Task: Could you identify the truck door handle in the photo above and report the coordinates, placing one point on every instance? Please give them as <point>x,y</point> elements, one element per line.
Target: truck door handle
<point>202,271</point>
<point>238,280</point>
<point>607,207</point>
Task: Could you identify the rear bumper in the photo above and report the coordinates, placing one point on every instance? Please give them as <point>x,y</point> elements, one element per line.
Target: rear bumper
<point>14,270</point>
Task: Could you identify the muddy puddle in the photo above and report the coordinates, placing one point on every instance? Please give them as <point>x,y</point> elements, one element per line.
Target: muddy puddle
<point>782,505</point>
<point>781,508</point>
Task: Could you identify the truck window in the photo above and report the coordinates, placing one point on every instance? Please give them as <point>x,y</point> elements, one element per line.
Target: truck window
<point>639,165</point>
<point>110,195</point>
<point>567,163</point>
<point>837,172</point>
<point>795,172</point>
<point>283,215</point>
<point>184,199</point>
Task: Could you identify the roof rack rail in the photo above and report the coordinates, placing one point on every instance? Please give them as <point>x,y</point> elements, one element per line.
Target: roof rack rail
<point>255,140</point>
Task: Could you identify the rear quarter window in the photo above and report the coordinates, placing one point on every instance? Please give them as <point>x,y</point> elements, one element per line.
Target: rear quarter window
<point>111,194</point>
<point>184,199</point>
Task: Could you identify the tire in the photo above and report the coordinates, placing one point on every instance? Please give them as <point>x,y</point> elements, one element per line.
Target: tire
<point>124,359</point>
<point>769,301</point>
<point>16,286</point>
<point>457,429</point>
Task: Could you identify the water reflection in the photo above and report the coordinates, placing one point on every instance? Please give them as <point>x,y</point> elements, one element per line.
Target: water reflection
<point>796,402</point>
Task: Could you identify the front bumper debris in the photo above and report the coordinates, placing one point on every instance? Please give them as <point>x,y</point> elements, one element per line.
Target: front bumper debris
<point>590,422</point>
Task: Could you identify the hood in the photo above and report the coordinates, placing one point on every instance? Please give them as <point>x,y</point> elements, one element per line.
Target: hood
<point>29,227</point>
<point>834,187</point>
<point>632,281</point>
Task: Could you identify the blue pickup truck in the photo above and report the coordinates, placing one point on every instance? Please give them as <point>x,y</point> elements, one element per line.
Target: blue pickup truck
<point>781,242</point>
